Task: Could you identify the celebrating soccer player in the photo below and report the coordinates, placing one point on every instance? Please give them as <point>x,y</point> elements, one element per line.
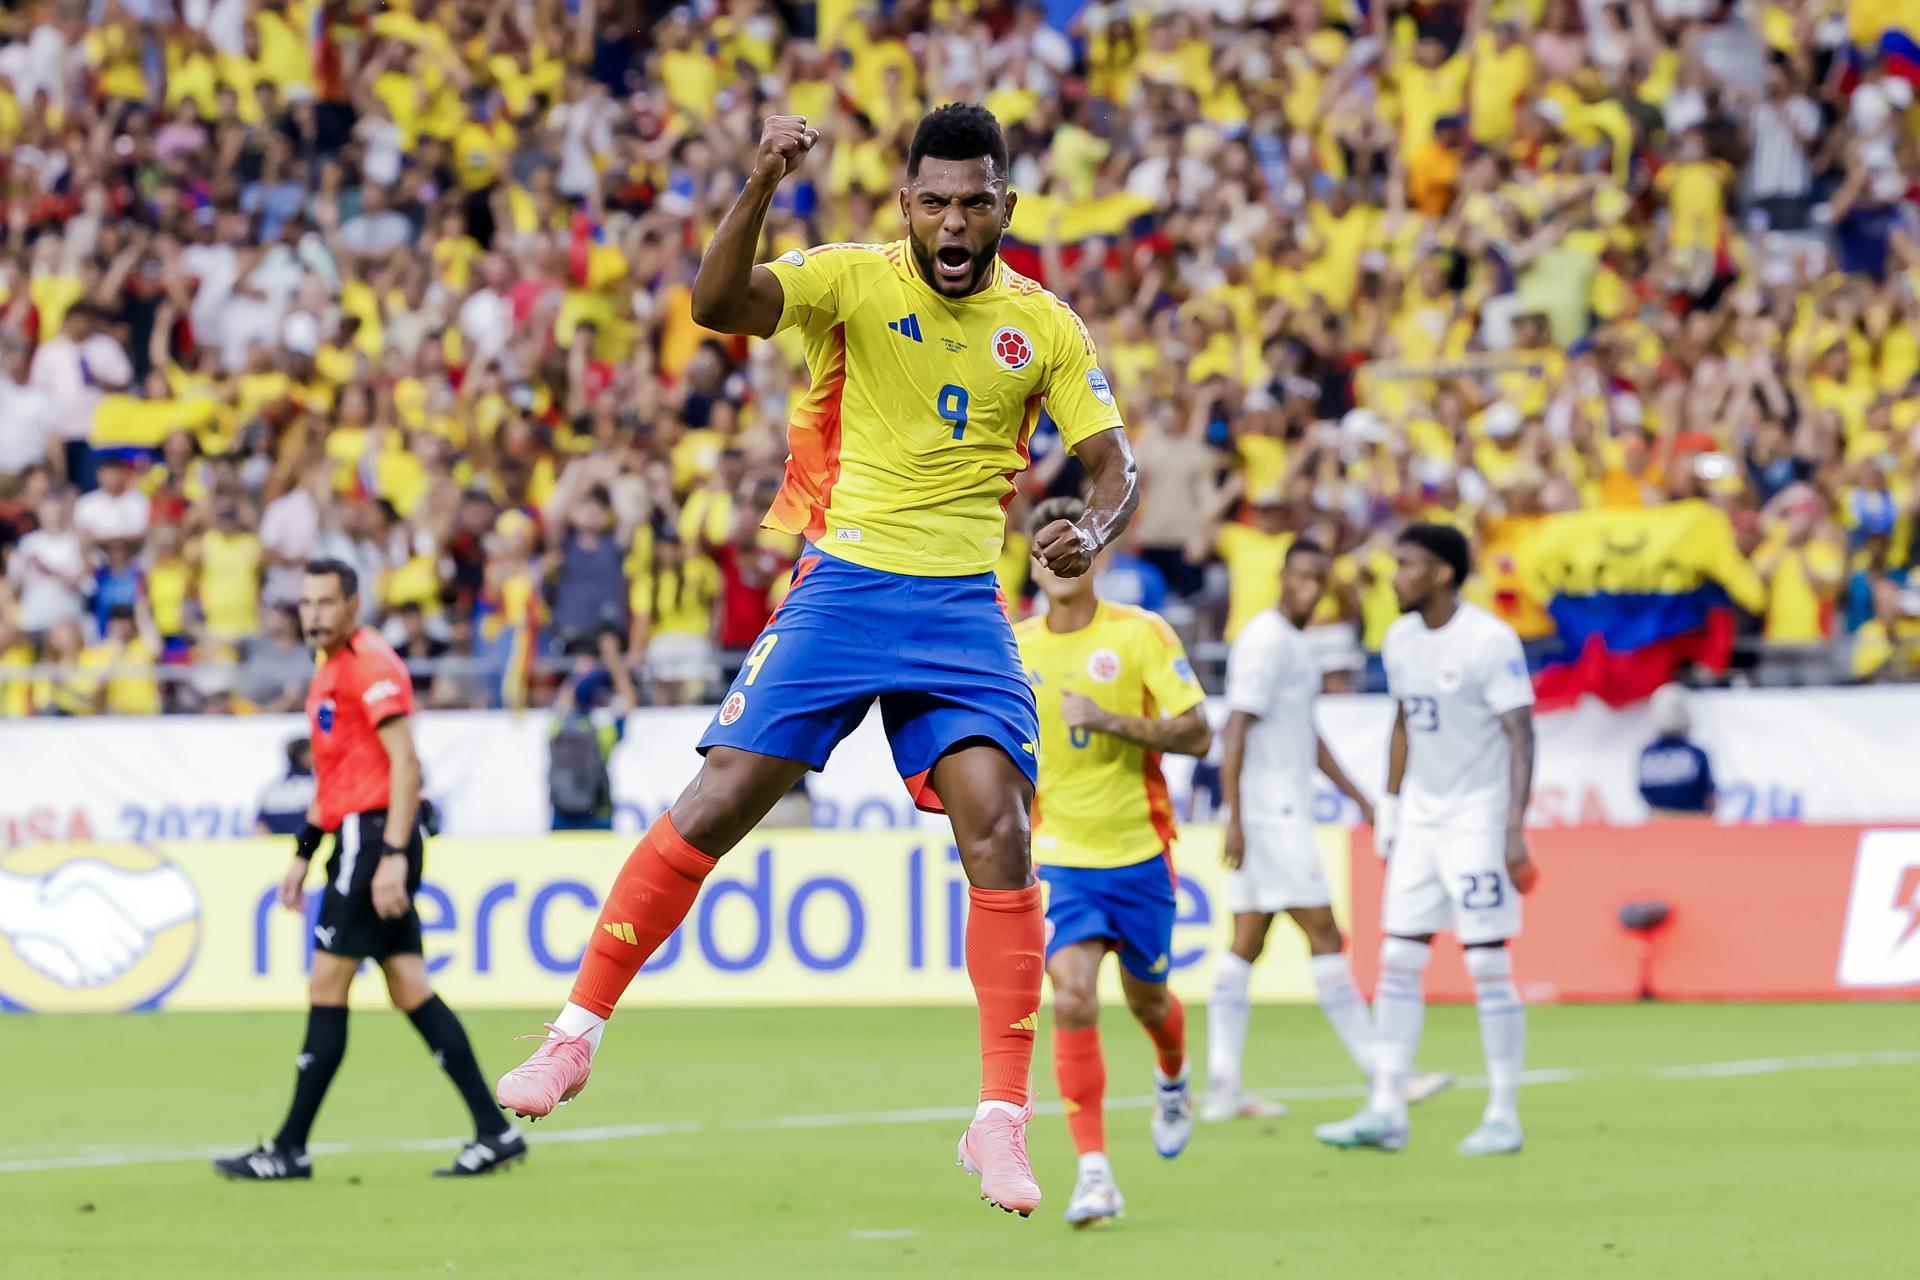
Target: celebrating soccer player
<point>1271,751</point>
<point>930,362</point>
<point>1459,775</point>
<point>1115,691</point>
<point>367,795</point>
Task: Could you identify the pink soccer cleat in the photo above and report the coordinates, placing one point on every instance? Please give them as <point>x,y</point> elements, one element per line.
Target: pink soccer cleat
<point>556,1073</point>
<point>994,1147</point>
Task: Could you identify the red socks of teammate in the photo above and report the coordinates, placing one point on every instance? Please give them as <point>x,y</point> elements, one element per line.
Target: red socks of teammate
<point>1081,1070</point>
<point>1006,934</point>
<point>650,897</point>
<point>1169,1036</point>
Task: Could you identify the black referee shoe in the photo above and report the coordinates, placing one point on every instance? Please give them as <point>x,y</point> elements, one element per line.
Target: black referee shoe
<point>266,1163</point>
<point>486,1155</point>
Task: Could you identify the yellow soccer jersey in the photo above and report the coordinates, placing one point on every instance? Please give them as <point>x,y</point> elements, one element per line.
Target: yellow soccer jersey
<point>903,454</point>
<point>1102,801</point>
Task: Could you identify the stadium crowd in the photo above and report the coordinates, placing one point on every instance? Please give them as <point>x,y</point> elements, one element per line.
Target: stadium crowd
<point>409,285</point>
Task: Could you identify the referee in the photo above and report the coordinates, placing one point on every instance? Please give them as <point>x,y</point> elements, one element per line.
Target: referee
<point>367,795</point>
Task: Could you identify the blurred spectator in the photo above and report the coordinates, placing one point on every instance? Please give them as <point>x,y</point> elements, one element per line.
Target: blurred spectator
<point>48,569</point>
<point>121,664</point>
<point>228,557</point>
<point>587,572</point>
<point>284,804</point>
<point>116,511</point>
<point>29,423</point>
<point>589,719</point>
<point>1675,776</point>
<point>279,665</point>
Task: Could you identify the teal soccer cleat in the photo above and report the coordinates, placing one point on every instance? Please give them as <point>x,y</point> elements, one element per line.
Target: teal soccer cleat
<point>1365,1129</point>
<point>1492,1138</point>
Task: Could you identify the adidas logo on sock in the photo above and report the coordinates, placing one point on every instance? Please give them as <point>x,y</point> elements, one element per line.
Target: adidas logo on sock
<point>622,931</point>
<point>1029,1023</point>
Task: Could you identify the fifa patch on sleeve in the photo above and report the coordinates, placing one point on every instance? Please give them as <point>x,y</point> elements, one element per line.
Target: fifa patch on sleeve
<point>1184,669</point>
<point>380,691</point>
<point>1097,383</point>
<point>793,258</point>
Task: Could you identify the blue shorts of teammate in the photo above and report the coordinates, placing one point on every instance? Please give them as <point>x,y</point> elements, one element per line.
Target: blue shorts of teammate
<point>937,653</point>
<point>1130,907</point>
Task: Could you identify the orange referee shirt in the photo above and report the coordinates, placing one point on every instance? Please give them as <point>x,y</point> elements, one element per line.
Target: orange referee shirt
<point>362,686</point>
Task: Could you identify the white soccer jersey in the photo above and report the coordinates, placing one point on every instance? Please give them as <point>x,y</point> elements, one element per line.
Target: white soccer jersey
<point>1453,684</point>
<point>1272,674</point>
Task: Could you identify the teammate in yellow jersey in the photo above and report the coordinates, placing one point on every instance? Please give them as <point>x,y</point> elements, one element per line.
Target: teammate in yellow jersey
<point>930,361</point>
<point>1115,691</point>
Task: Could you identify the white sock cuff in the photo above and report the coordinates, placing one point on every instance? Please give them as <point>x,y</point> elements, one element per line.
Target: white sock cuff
<point>1404,953</point>
<point>1231,977</point>
<point>1489,965</point>
<point>1331,965</point>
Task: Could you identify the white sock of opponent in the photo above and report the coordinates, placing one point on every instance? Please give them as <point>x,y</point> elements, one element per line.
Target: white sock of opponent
<point>1503,1029</point>
<point>1227,1012</point>
<point>575,1021</point>
<point>1399,1012</point>
<point>1340,1001</point>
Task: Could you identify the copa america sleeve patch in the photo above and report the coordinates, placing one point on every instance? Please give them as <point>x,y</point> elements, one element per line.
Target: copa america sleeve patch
<point>1097,383</point>
<point>793,258</point>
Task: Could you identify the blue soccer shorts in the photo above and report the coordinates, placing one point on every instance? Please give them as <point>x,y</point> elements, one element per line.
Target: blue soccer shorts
<point>1130,908</point>
<point>937,653</point>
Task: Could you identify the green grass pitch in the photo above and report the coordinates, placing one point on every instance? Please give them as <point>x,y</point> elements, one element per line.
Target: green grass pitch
<point>1688,1141</point>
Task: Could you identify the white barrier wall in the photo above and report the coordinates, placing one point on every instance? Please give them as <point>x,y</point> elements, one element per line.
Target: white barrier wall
<point>1838,755</point>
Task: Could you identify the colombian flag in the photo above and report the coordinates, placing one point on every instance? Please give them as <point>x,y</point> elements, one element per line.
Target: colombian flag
<point>1890,28</point>
<point>1635,592</point>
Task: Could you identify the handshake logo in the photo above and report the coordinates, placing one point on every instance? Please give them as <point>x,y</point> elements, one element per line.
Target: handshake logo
<point>93,929</point>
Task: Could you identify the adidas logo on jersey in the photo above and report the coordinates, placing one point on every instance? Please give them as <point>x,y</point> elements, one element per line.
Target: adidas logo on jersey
<point>907,327</point>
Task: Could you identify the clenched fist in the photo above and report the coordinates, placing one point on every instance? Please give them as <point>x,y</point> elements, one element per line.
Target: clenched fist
<point>784,143</point>
<point>1065,548</point>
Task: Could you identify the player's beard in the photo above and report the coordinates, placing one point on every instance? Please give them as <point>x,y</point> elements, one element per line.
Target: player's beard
<point>982,265</point>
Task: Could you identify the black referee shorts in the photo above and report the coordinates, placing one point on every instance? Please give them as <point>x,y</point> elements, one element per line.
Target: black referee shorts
<point>348,925</point>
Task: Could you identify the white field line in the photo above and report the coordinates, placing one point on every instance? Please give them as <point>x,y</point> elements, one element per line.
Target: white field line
<point>99,1157</point>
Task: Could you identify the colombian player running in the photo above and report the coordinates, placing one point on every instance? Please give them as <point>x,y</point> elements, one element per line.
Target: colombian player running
<point>930,362</point>
<point>1115,690</point>
<point>1459,775</point>
<point>1270,752</point>
<point>367,795</point>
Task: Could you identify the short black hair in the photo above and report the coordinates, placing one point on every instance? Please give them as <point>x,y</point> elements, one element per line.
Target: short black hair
<point>1445,544</point>
<point>349,580</point>
<point>958,131</point>
<point>1067,508</point>
<point>1304,547</point>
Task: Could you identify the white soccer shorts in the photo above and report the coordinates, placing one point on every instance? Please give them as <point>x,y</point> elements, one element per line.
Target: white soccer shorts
<point>1281,870</point>
<point>1450,882</point>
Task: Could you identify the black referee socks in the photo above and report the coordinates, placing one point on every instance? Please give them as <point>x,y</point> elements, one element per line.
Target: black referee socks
<point>440,1027</point>
<point>319,1059</point>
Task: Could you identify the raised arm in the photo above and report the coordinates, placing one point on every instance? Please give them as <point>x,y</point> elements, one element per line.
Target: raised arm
<point>1068,547</point>
<point>730,293</point>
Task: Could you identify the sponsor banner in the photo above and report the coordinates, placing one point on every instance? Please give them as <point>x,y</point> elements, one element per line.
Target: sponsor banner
<point>1778,756</point>
<point>1784,912</point>
<point>163,779</point>
<point>793,918</point>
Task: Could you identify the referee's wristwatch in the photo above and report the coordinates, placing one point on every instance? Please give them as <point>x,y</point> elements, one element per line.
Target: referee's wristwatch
<point>392,850</point>
<point>307,843</point>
